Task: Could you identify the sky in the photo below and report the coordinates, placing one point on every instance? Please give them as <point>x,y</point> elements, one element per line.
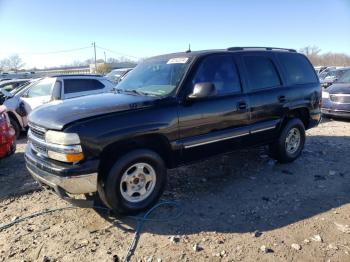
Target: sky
<point>138,29</point>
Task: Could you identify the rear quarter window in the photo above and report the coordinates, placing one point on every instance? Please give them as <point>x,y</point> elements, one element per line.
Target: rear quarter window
<point>261,72</point>
<point>298,69</point>
<point>81,85</point>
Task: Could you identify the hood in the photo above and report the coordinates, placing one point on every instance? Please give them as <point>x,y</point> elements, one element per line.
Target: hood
<point>339,88</point>
<point>57,114</point>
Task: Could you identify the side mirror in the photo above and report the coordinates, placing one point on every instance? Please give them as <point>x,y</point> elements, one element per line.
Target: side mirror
<point>202,90</point>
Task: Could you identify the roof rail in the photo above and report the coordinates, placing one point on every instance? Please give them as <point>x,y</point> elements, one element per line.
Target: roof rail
<point>259,47</point>
<point>77,75</point>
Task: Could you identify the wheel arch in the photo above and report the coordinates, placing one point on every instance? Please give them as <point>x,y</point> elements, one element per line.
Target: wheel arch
<point>302,113</point>
<point>14,117</point>
<point>155,142</point>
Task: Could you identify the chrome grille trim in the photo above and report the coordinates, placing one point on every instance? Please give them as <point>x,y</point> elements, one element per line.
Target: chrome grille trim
<point>340,98</point>
<point>32,126</point>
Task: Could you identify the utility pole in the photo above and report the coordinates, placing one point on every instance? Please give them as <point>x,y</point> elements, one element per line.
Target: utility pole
<point>94,44</point>
<point>105,57</point>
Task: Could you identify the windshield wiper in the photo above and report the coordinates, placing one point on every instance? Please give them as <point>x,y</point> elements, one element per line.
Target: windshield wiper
<point>134,91</point>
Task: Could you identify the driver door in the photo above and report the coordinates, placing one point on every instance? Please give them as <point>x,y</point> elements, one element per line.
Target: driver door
<point>214,124</point>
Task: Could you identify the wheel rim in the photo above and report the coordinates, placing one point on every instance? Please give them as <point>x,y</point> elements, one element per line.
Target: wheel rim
<point>293,140</point>
<point>138,182</point>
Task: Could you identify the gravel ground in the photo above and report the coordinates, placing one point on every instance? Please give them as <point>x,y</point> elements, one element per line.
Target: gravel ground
<point>237,207</point>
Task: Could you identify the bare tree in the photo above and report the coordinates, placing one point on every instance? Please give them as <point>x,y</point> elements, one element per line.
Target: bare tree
<point>312,52</point>
<point>14,62</point>
<point>2,64</point>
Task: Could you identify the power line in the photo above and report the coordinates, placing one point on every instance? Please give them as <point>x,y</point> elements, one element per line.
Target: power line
<point>56,52</point>
<point>115,52</point>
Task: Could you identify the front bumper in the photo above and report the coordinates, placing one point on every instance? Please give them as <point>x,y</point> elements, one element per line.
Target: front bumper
<point>336,113</point>
<point>77,179</point>
<point>331,108</point>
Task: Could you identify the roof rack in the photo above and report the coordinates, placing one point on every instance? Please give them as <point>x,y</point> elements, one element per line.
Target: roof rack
<point>259,47</point>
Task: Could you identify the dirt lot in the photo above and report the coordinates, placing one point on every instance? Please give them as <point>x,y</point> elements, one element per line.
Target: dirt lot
<point>233,206</point>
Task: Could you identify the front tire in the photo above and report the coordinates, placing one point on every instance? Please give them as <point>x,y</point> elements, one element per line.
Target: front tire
<point>15,126</point>
<point>134,183</point>
<point>290,142</point>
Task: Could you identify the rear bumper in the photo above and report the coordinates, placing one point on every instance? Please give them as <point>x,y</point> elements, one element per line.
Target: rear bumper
<point>7,143</point>
<point>71,179</point>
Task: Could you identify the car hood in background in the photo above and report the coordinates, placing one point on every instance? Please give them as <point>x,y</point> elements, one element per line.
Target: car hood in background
<point>57,114</point>
<point>339,88</point>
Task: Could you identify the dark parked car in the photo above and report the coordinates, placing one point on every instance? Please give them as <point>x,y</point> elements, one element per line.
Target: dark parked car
<point>336,99</point>
<point>168,111</point>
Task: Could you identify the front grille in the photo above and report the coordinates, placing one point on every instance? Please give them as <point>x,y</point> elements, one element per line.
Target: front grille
<point>341,99</point>
<point>38,132</point>
<point>39,148</point>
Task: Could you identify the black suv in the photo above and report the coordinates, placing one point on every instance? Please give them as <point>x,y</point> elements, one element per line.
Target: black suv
<point>171,110</point>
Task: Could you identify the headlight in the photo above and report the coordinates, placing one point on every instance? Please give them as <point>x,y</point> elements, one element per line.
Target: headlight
<point>60,138</point>
<point>325,94</point>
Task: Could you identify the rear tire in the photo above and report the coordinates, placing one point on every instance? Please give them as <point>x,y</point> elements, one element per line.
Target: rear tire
<point>134,183</point>
<point>290,142</point>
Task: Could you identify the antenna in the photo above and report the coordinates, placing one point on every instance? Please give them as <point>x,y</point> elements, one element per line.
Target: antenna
<point>189,48</point>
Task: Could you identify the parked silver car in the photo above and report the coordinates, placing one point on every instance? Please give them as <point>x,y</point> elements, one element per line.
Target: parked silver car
<point>21,102</point>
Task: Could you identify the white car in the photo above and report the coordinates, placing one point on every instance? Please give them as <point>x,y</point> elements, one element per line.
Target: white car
<point>61,87</point>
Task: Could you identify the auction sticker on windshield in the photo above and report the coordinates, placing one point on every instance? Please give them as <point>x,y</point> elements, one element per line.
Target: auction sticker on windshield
<point>178,60</point>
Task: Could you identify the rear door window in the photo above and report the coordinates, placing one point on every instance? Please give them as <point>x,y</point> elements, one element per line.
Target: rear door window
<point>81,85</point>
<point>261,72</point>
<point>298,68</point>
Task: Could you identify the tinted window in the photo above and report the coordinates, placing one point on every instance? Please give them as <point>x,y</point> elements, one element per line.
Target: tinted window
<point>42,88</point>
<point>298,68</point>
<point>261,72</point>
<point>221,71</point>
<point>345,78</point>
<point>81,85</point>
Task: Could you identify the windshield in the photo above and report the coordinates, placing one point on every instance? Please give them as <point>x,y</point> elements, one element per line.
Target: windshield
<point>345,78</point>
<point>155,77</point>
<point>115,75</point>
<point>16,90</point>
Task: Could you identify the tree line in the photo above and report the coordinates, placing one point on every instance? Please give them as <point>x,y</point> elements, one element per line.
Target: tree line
<point>325,59</point>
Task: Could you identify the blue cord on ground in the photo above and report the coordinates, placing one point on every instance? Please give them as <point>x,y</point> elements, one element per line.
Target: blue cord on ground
<point>140,221</point>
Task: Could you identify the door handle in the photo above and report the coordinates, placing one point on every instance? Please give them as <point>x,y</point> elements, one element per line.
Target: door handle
<point>282,99</point>
<point>242,105</point>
